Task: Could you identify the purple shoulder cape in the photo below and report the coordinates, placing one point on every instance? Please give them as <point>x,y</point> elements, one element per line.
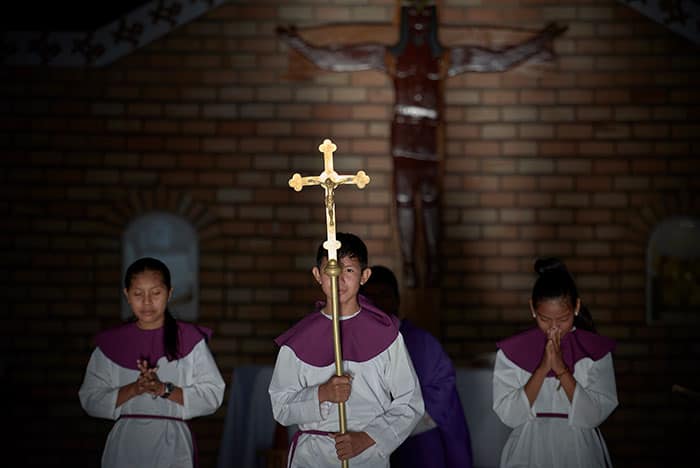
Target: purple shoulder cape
<point>126,343</point>
<point>363,336</point>
<point>525,349</point>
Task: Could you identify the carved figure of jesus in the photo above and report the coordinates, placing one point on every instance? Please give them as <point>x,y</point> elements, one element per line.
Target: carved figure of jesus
<point>418,65</point>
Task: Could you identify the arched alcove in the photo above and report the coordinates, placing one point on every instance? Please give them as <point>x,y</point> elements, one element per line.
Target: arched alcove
<point>673,271</point>
<point>173,240</point>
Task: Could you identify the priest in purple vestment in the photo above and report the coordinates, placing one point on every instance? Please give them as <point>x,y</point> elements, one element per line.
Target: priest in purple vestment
<point>441,439</point>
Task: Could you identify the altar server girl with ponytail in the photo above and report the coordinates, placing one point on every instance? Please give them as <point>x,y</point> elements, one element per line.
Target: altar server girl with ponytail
<point>150,375</point>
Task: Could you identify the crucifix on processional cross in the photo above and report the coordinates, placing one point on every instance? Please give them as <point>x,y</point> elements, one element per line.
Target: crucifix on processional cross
<point>330,180</point>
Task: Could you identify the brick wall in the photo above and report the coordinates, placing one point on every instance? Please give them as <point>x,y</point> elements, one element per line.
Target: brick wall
<point>579,159</point>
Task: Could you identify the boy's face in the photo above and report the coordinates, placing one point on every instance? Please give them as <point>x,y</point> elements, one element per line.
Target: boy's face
<point>349,281</point>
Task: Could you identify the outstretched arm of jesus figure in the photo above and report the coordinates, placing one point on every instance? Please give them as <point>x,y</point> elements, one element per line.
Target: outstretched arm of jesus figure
<point>340,58</point>
<point>478,59</point>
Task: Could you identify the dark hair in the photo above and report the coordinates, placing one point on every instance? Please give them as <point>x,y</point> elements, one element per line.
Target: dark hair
<point>350,246</point>
<point>170,330</point>
<point>384,279</point>
<point>555,282</point>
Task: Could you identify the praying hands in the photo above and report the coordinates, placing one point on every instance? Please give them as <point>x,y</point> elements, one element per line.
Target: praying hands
<point>148,381</point>
<point>551,359</point>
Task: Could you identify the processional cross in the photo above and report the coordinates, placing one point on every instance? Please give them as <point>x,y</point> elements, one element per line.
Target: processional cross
<point>330,180</point>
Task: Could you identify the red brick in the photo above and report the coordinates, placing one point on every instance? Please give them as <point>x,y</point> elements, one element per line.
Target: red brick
<point>602,149</point>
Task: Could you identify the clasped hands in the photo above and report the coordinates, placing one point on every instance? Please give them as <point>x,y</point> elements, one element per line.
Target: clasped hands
<point>148,381</point>
<point>336,390</point>
<point>551,359</point>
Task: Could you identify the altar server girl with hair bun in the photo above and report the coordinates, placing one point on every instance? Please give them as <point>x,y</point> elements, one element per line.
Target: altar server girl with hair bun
<point>554,384</point>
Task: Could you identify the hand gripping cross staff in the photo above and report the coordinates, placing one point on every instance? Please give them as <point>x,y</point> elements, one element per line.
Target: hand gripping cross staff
<point>330,180</point>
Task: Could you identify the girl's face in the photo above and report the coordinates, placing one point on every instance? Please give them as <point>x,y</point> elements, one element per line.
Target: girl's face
<point>148,297</point>
<point>351,277</point>
<point>555,314</point>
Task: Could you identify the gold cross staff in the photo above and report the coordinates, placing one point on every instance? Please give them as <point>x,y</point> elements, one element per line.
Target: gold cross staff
<point>330,180</point>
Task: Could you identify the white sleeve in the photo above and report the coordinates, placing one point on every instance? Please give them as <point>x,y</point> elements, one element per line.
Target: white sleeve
<point>509,399</point>
<point>595,396</point>
<point>99,390</point>
<point>391,428</point>
<point>292,402</point>
<point>205,392</point>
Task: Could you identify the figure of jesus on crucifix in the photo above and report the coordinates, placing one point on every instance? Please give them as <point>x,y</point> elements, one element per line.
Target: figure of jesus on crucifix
<point>418,64</point>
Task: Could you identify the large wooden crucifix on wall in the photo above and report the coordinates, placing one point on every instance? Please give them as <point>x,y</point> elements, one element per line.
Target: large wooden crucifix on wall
<point>418,64</point>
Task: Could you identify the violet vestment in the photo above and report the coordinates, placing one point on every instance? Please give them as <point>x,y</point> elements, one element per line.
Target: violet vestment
<point>447,444</point>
